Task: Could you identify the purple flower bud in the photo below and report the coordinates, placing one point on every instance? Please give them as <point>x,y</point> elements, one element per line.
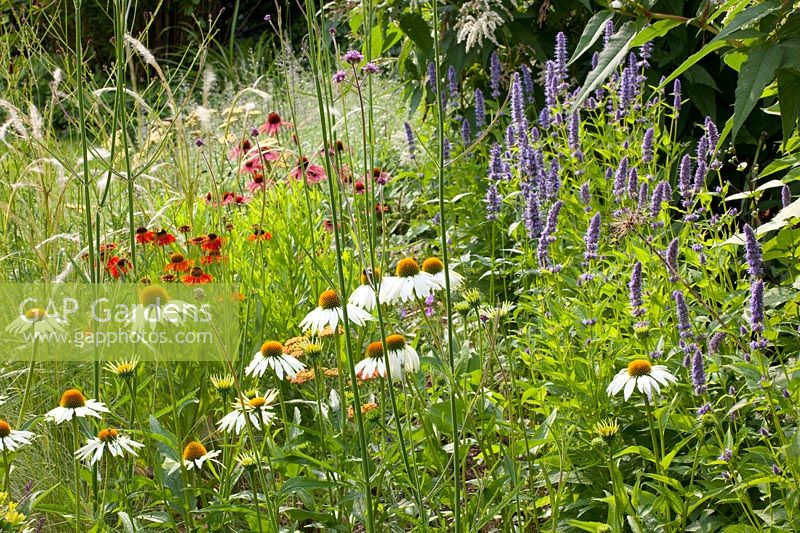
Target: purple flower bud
<point>752,252</point>
<point>786,196</point>
<point>199,142</point>
<point>776,470</point>
<point>339,76</point>
<point>592,238</point>
<point>732,390</point>
<point>494,74</point>
<point>676,93</point>
<point>480,110</point>
<point>647,145</point>
<point>682,310</point>
<point>726,455</point>
<point>757,306</point>
<point>353,57</point>
<point>703,410</point>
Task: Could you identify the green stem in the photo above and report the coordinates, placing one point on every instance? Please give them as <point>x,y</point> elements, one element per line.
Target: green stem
<point>445,260</point>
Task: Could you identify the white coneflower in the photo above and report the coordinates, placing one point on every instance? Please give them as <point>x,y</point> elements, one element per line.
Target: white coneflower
<point>364,296</point>
<point>330,313</point>
<point>74,404</point>
<point>107,440</point>
<point>399,349</point>
<point>12,439</point>
<point>157,307</point>
<point>272,355</point>
<point>258,409</point>
<point>435,267</point>
<point>409,283</point>
<point>146,55</point>
<point>640,374</point>
<point>36,320</point>
<point>194,456</point>
<point>373,365</point>
<point>123,369</point>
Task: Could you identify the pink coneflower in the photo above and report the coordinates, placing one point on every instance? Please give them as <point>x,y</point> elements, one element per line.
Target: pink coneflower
<point>359,187</point>
<point>229,198</point>
<point>254,160</point>
<point>273,124</point>
<point>314,173</point>
<point>258,183</point>
<point>239,151</point>
<point>380,176</point>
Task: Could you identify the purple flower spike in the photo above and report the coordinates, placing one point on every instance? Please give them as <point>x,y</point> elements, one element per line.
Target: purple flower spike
<point>480,110</point>
<point>698,372</point>
<point>672,259</point>
<point>647,145</point>
<point>752,252</point>
<point>494,74</point>
<point>757,306</point>
<point>592,238</point>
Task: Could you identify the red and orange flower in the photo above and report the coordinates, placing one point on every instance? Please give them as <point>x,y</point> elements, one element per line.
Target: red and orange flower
<point>197,277</point>
<point>144,236</point>
<point>118,266</point>
<point>178,263</point>
<point>164,238</point>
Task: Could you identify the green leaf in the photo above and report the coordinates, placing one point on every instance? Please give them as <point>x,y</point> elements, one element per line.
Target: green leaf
<point>659,29</point>
<point>789,98</point>
<point>757,72</point>
<point>593,30</point>
<point>415,27</point>
<point>594,527</point>
<point>746,18</point>
<point>609,59</point>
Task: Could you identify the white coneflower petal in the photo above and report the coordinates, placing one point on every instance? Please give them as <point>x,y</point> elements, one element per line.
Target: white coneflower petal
<point>74,404</point>
<point>364,297</point>
<point>642,375</point>
<point>11,439</point>
<point>108,439</point>
<point>329,313</point>
<point>273,355</point>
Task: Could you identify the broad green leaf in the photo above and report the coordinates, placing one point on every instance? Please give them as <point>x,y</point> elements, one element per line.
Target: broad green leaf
<point>593,30</point>
<point>747,17</point>
<point>418,31</point>
<point>692,59</point>
<point>659,29</point>
<point>594,527</point>
<point>609,59</point>
<point>789,97</point>
<point>757,72</point>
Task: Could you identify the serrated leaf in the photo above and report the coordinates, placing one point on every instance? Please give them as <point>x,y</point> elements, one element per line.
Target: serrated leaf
<point>591,33</point>
<point>757,72</point>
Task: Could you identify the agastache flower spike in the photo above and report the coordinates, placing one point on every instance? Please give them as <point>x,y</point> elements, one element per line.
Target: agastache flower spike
<point>647,145</point>
<point>466,134</point>
<point>561,61</point>
<point>527,82</point>
<point>698,371</point>
<point>752,252</point>
<point>644,195</point>
<point>657,199</point>
<point>494,202</point>
<point>452,82</point>
<point>620,178</point>
<point>715,342</point>
<point>786,196</point>
<point>592,238</point>
<point>585,194</point>
<point>543,250</point>
<point>533,220</point>
<point>494,74</point>
<point>676,93</point>
<point>633,183</point>
<point>684,326</point>
<point>480,110</point>
<point>518,106</point>
<point>685,178</point>
<point>409,140</point>
<point>608,32</point>
<point>672,259</point>
<point>635,290</point>
<point>757,306</point>
<point>573,132</point>
<point>432,76</point>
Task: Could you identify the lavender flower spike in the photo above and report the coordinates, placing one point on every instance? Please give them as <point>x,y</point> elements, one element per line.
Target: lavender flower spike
<point>757,306</point>
<point>494,202</point>
<point>698,372</point>
<point>647,145</point>
<point>480,110</point>
<point>592,238</point>
<point>494,74</point>
<point>621,178</point>
<point>715,342</point>
<point>409,140</point>
<point>635,290</point>
<point>786,196</point>
<point>543,250</point>
<point>684,326</point>
<point>752,252</point>
<point>671,258</point>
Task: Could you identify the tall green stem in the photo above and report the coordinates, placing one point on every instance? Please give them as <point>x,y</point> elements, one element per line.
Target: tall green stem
<point>445,260</point>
